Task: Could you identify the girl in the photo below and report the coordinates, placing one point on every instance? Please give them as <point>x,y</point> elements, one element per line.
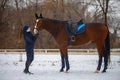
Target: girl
<point>29,39</point>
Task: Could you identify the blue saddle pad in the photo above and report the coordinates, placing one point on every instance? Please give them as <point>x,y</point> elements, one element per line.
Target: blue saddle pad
<point>74,29</point>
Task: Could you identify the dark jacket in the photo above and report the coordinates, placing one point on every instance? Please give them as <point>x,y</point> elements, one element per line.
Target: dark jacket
<point>29,39</point>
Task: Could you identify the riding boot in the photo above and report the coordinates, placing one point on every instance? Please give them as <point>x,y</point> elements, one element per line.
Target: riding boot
<point>26,70</point>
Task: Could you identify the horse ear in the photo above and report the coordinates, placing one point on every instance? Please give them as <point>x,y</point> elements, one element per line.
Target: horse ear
<point>41,15</point>
<point>36,16</point>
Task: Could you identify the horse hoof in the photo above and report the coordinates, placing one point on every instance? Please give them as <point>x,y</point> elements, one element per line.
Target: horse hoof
<point>66,72</point>
<point>30,73</point>
<point>97,71</point>
<point>103,71</point>
<point>67,69</point>
<point>61,70</point>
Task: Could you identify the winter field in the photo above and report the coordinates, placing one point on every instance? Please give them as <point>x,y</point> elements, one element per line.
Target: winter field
<point>46,67</point>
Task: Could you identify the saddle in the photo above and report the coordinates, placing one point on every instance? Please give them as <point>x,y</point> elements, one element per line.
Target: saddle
<point>75,28</point>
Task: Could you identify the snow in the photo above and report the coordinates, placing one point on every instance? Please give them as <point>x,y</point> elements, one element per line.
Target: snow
<point>46,67</point>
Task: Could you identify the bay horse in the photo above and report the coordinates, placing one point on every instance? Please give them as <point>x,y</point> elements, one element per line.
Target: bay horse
<point>95,32</point>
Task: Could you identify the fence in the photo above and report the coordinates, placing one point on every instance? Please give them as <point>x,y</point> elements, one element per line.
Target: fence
<point>56,51</point>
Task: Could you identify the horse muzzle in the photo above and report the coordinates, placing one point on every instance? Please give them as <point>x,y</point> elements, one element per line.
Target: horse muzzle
<point>35,31</point>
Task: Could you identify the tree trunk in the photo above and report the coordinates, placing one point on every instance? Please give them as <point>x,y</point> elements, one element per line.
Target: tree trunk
<point>105,17</point>
<point>20,24</point>
<point>60,10</point>
<point>2,8</point>
<point>104,4</point>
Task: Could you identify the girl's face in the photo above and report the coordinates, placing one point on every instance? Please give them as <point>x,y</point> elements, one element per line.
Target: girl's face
<point>28,30</point>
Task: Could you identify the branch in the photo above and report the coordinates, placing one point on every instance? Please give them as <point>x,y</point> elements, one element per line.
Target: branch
<point>18,13</point>
<point>102,7</point>
<point>107,3</point>
<point>20,21</point>
<point>2,4</point>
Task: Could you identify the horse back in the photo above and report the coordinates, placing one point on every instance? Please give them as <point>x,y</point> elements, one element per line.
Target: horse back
<point>96,30</point>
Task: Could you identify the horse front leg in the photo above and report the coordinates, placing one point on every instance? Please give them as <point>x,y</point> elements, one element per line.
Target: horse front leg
<point>64,61</point>
<point>67,62</point>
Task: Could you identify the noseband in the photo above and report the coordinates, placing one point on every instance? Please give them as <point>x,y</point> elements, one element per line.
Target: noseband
<point>36,29</point>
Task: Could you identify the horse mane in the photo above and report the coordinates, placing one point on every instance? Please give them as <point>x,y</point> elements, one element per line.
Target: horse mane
<point>57,24</point>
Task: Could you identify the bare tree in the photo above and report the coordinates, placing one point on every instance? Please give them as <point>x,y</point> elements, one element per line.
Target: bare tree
<point>104,4</point>
<point>60,10</point>
<point>19,21</point>
<point>3,3</point>
<point>15,13</point>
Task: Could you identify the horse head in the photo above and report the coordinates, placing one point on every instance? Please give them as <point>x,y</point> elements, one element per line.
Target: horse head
<point>38,24</point>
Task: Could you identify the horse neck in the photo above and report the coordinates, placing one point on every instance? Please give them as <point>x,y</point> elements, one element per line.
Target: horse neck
<point>53,26</point>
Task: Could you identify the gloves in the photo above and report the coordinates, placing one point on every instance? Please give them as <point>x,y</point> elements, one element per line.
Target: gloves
<point>35,31</point>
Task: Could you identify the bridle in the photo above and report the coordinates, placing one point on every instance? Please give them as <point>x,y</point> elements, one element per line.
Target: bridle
<point>36,28</point>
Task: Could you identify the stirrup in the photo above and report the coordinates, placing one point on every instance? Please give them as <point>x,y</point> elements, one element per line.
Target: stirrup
<point>72,38</point>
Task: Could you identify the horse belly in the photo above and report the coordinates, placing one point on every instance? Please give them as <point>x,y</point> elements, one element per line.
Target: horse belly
<point>81,40</point>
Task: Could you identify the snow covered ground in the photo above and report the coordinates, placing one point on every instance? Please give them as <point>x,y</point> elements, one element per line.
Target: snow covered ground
<point>46,67</point>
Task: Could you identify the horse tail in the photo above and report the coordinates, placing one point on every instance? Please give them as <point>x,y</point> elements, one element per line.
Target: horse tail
<point>107,47</point>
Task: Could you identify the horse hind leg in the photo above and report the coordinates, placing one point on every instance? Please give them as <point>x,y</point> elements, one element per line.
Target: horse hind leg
<point>100,53</point>
<point>99,64</point>
<point>105,63</point>
<point>100,60</point>
<point>103,53</point>
<point>106,58</point>
<point>106,53</point>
